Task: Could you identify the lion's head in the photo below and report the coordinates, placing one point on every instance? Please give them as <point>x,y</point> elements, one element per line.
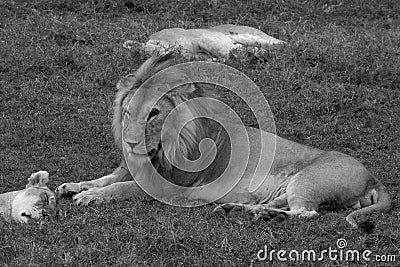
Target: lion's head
<point>141,109</point>
<point>35,201</point>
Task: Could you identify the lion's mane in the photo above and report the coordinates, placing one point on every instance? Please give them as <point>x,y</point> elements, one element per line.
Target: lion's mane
<point>190,135</point>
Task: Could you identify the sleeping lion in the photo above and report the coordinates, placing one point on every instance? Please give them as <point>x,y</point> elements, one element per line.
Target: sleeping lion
<point>300,180</point>
<point>215,42</point>
<point>32,203</point>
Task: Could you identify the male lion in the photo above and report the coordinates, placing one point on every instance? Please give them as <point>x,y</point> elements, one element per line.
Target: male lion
<point>216,42</point>
<point>33,202</point>
<point>300,179</point>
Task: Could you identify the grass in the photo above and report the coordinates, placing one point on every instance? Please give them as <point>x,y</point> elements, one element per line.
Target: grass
<point>336,85</point>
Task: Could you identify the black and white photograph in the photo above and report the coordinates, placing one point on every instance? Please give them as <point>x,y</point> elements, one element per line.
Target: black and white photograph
<point>199,133</point>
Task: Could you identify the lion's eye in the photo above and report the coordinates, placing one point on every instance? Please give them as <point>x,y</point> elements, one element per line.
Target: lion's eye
<point>154,112</point>
<point>45,199</point>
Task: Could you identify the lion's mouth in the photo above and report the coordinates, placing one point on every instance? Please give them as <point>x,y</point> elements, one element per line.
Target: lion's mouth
<point>28,216</point>
<point>151,153</point>
<point>33,216</point>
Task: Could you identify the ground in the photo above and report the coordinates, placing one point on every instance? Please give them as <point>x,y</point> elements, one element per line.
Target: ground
<point>335,85</point>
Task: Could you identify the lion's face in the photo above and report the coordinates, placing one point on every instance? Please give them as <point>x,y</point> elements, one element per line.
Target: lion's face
<point>35,201</point>
<point>142,130</point>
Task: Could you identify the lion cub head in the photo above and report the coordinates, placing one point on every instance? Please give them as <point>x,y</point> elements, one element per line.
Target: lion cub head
<point>34,202</point>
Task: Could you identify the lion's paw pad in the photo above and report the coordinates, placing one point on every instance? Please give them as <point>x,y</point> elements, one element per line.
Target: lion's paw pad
<point>229,208</point>
<point>268,215</point>
<point>219,210</point>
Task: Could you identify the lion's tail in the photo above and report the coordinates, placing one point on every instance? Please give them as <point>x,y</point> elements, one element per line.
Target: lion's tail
<point>380,200</point>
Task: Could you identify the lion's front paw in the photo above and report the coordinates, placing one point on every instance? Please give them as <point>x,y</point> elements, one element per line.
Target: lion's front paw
<point>92,196</point>
<point>68,189</point>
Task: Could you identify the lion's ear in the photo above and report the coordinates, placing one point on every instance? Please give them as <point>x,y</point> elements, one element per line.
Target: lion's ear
<point>127,83</point>
<point>38,179</point>
<point>192,90</point>
<point>150,67</point>
<point>181,93</point>
<point>199,89</point>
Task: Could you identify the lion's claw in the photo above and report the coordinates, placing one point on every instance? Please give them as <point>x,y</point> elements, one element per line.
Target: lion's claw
<point>224,208</point>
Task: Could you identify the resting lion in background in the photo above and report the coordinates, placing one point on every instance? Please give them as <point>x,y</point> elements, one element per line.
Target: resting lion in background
<point>300,179</point>
<point>34,202</point>
<point>215,42</point>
